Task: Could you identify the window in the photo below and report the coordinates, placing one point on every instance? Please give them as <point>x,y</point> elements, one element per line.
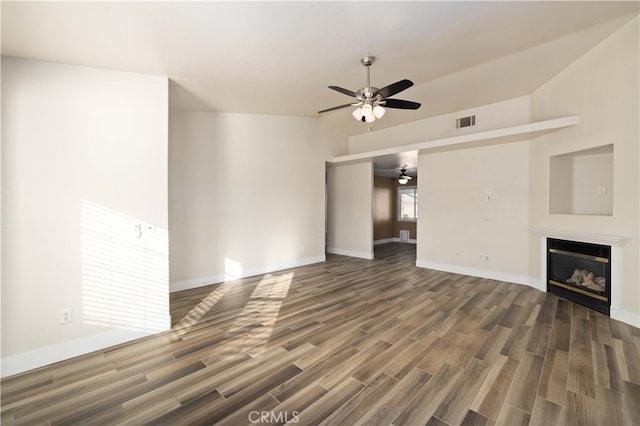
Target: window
<point>407,204</point>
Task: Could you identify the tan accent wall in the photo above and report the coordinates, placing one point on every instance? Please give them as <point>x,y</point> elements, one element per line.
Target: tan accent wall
<point>385,210</point>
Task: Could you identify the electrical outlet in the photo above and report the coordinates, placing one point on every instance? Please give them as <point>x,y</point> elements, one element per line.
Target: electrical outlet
<point>484,258</point>
<point>66,316</point>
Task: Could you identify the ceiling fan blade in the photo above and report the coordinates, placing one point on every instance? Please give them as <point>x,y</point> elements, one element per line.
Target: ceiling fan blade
<point>394,88</point>
<point>344,91</point>
<point>400,104</point>
<point>334,108</point>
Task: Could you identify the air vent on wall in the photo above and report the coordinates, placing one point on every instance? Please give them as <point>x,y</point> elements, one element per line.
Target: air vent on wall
<point>465,121</point>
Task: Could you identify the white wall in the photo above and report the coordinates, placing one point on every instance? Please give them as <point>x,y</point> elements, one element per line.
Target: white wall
<point>247,194</point>
<point>457,224</point>
<point>507,113</point>
<point>590,173</point>
<point>350,210</point>
<point>84,161</point>
<point>452,229</point>
<point>581,184</point>
<point>603,88</point>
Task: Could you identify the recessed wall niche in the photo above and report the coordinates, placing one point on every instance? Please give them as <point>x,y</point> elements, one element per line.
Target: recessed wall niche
<point>581,182</point>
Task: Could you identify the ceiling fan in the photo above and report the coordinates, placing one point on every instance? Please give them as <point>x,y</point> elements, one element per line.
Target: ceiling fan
<point>404,177</point>
<point>371,100</point>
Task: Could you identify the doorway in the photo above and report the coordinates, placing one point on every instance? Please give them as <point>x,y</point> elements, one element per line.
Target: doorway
<point>395,204</point>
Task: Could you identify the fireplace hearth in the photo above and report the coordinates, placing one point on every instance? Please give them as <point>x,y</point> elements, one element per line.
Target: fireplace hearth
<point>580,272</point>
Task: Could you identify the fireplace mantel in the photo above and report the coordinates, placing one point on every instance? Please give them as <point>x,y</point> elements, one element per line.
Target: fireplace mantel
<point>611,240</point>
<point>617,242</point>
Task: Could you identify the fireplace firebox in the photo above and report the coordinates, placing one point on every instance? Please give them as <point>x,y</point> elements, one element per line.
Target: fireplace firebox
<point>580,272</point>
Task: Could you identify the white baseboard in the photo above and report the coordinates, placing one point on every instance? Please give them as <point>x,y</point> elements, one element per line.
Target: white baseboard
<point>360,254</point>
<point>215,279</point>
<point>385,241</point>
<point>627,317</point>
<point>481,273</point>
<point>195,283</point>
<point>393,240</point>
<point>26,361</point>
<point>537,284</point>
<point>274,268</point>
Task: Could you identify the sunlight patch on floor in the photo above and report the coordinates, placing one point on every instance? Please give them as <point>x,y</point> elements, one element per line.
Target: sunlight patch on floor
<point>262,312</point>
<point>201,309</point>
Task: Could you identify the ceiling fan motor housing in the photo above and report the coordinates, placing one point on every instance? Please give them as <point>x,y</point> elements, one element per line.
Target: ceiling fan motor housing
<point>369,93</point>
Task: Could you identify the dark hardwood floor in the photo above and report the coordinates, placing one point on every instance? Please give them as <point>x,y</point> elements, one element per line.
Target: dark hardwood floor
<point>352,341</point>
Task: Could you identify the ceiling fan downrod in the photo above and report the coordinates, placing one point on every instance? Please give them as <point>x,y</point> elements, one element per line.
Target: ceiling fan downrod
<point>367,61</point>
<point>365,111</point>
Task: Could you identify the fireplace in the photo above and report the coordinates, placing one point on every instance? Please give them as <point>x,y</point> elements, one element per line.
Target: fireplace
<point>580,272</point>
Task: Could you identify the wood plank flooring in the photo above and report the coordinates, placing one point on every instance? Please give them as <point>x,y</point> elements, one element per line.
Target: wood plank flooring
<point>348,342</point>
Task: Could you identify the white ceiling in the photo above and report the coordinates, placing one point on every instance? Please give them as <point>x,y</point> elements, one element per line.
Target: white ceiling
<point>279,57</point>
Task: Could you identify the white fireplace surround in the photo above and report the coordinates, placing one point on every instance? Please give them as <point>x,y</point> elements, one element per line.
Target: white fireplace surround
<point>615,241</point>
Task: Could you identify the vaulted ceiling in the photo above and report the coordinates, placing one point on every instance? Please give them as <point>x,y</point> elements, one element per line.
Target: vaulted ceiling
<point>279,57</point>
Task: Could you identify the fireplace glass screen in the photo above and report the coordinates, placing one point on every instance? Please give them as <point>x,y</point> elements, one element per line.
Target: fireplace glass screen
<point>580,272</point>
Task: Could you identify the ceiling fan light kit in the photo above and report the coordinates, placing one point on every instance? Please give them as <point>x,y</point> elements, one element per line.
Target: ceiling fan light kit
<point>371,100</point>
<point>404,178</point>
